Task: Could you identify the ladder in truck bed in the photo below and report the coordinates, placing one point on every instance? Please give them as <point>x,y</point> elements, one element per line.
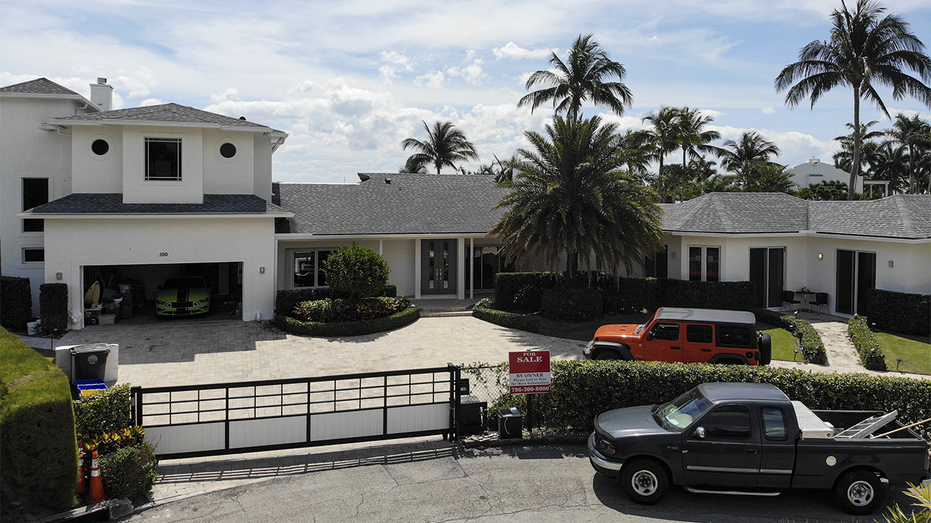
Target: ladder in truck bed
<point>868,426</point>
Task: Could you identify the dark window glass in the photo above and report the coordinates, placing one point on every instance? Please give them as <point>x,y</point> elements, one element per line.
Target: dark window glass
<point>713,262</point>
<point>33,255</point>
<point>100,147</point>
<point>304,269</point>
<point>163,159</point>
<point>666,331</point>
<point>774,423</point>
<point>694,263</point>
<point>35,193</point>
<point>699,333</point>
<point>735,336</point>
<point>227,150</point>
<point>729,422</point>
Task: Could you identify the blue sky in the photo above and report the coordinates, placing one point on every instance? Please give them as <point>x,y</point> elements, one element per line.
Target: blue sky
<point>350,80</point>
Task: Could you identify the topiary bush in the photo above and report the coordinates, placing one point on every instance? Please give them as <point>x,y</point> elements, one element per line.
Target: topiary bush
<point>16,306</point>
<point>339,310</point>
<point>571,303</point>
<point>129,471</point>
<point>357,271</point>
<point>484,310</point>
<point>102,412</point>
<point>347,328</point>
<point>871,354</point>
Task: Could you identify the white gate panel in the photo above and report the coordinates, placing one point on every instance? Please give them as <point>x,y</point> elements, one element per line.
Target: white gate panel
<point>417,418</point>
<point>187,438</point>
<point>277,431</point>
<point>338,425</point>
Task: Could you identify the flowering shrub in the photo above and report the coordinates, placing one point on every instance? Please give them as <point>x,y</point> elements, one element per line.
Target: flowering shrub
<point>340,310</point>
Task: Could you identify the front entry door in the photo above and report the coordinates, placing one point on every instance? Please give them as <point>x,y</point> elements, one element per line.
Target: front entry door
<point>438,262</point>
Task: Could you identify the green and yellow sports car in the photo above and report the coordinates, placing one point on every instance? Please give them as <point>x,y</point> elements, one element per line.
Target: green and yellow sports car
<point>183,297</point>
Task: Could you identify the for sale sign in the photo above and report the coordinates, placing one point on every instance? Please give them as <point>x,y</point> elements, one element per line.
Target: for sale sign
<point>529,372</point>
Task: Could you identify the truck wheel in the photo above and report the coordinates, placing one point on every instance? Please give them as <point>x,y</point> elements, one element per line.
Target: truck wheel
<point>859,492</point>
<point>644,481</point>
<point>766,349</point>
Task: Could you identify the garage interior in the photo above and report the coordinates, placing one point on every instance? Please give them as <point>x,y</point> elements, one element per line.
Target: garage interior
<point>138,286</point>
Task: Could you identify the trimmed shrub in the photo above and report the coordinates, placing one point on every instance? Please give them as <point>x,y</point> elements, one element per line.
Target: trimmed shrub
<point>522,290</point>
<point>16,306</point>
<point>809,340</point>
<point>899,312</point>
<point>526,322</point>
<point>571,303</point>
<point>348,328</point>
<point>871,355</point>
<point>287,300</point>
<point>53,307</point>
<point>340,309</point>
<point>357,271</point>
<point>102,412</point>
<point>38,449</point>
<point>130,471</point>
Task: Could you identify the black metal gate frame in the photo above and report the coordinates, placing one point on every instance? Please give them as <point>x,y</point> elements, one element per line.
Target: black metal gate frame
<point>211,403</point>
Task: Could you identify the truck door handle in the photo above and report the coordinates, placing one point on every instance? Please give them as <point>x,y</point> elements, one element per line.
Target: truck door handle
<point>675,348</point>
<point>751,451</point>
<point>706,350</point>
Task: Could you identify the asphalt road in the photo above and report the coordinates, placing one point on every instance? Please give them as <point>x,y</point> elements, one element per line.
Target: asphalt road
<point>510,484</point>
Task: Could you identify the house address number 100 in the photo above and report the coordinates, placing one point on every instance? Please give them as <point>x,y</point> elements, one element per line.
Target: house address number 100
<point>163,255</point>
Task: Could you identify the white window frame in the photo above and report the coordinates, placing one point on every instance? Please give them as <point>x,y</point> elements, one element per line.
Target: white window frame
<point>23,256</point>
<point>296,254</point>
<point>154,139</point>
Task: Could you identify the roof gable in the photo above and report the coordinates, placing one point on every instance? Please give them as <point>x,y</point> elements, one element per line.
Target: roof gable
<point>112,203</point>
<point>39,86</point>
<point>737,213</point>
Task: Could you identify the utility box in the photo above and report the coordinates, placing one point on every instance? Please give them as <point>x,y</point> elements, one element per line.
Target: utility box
<point>510,424</point>
<point>472,416</point>
<point>89,362</point>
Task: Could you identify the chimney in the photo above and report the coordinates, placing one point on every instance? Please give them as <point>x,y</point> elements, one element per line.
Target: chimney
<point>102,94</point>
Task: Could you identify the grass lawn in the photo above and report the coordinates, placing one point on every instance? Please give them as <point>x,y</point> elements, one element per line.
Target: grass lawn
<point>784,344</point>
<point>914,351</point>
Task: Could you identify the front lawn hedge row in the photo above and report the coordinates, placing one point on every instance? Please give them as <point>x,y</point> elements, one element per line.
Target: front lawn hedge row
<point>483,310</point>
<point>524,291</point>
<point>16,307</point>
<point>38,449</point>
<point>583,389</point>
<point>871,354</point>
<point>809,341</point>
<point>899,312</point>
<point>287,300</point>
<point>347,328</point>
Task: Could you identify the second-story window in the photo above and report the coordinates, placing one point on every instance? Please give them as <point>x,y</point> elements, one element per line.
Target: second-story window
<point>163,159</point>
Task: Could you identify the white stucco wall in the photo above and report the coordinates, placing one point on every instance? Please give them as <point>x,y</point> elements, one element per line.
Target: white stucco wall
<point>815,171</point>
<point>190,189</point>
<point>93,173</point>
<point>29,152</point>
<point>262,155</point>
<point>229,175</point>
<point>73,244</point>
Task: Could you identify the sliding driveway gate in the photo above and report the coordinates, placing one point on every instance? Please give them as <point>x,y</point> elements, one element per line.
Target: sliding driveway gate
<point>226,418</point>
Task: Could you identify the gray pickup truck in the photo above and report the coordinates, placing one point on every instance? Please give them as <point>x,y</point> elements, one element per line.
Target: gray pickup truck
<point>749,438</point>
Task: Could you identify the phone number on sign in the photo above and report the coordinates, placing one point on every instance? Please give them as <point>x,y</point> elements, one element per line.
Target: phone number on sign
<point>525,390</point>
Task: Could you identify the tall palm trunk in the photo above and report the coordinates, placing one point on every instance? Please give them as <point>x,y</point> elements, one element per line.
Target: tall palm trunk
<point>855,169</point>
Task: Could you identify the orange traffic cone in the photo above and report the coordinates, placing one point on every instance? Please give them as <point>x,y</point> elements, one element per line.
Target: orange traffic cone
<point>96,494</point>
<point>82,485</point>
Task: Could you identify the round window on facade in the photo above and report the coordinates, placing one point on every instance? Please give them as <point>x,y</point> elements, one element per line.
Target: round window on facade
<point>227,150</point>
<point>100,147</point>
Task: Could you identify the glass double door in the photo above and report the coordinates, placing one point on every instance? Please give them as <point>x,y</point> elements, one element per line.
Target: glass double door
<point>856,274</point>
<point>438,273</point>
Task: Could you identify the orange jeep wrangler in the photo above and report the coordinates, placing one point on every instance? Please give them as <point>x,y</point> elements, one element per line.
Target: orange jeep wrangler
<point>685,335</point>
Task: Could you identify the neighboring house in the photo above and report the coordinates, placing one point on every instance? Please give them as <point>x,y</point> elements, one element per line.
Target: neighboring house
<point>814,171</point>
<point>784,243</point>
<point>156,192</point>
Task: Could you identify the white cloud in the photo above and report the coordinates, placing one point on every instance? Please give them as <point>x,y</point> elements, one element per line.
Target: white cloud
<point>433,80</point>
<point>472,73</point>
<point>393,57</point>
<point>768,110</point>
<point>512,51</point>
<point>150,101</point>
<point>228,94</point>
<point>387,74</point>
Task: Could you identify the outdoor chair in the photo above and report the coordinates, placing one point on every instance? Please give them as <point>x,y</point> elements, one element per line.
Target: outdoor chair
<point>789,297</point>
<point>821,298</point>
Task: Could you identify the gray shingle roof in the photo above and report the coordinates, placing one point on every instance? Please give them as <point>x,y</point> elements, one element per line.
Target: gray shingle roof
<point>172,112</point>
<point>38,86</point>
<point>738,213</point>
<point>906,216</point>
<point>410,204</point>
<point>112,203</point>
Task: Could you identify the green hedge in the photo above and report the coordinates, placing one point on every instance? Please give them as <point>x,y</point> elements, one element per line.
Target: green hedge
<point>287,300</point>
<point>53,307</point>
<point>38,448</point>
<point>16,304</point>
<point>871,354</point>
<point>571,303</point>
<point>899,312</point>
<point>102,412</point>
<point>522,290</point>
<point>526,322</point>
<point>582,389</point>
<point>349,328</point>
<point>809,341</point>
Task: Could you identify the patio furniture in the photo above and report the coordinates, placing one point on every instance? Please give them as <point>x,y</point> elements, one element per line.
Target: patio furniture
<point>821,298</point>
<point>789,297</point>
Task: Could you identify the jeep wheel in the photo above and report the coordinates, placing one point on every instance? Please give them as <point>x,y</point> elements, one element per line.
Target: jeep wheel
<point>766,349</point>
<point>644,481</point>
<point>859,492</point>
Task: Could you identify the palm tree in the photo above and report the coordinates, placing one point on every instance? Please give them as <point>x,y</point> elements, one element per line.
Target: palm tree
<point>570,197</point>
<point>694,139</point>
<point>843,159</point>
<point>769,177</point>
<point>890,163</point>
<point>413,165</point>
<point>582,77</point>
<point>750,149</point>
<point>445,145</point>
<point>663,138</point>
<point>865,50</point>
<point>913,134</point>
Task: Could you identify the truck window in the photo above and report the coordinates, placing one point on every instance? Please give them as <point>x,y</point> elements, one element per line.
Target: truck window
<point>699,333</point>
<point>735,336</point>
<point>728,422</point>
<point>774,423</point>
<point>666,331</point>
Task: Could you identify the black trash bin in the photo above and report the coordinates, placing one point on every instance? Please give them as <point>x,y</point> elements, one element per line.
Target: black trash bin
<point>510,424</point>
<point>89,361</point>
